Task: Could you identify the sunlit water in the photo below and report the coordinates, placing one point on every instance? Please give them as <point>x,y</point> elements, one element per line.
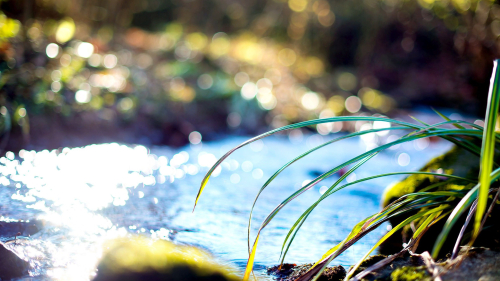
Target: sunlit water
<point>81,197</point>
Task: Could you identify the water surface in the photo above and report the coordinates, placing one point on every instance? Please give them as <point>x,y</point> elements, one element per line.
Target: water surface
<point>81,197</point>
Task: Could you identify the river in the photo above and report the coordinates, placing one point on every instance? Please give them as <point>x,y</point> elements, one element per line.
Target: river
<point>80,197</point>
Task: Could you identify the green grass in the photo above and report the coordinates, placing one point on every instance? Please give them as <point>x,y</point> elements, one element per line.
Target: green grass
<point>423,208</point>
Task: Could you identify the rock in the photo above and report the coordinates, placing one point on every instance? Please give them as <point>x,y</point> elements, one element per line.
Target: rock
<point>477,264</point>
<point>400,267</point>
<point>371,260</point>
<point>289,272</point>
<point>457,161</point>
<point>11,266</point>
<point>281,272</point>
<point>145,259</point>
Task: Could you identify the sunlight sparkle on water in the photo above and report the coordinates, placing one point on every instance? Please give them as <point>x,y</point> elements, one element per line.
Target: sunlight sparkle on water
<point>69,188</point>
<point>82,197</point>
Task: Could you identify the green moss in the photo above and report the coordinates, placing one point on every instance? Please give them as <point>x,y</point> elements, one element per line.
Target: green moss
<point>140,258</point>
<point>457,161</point>
<point>410,273</point>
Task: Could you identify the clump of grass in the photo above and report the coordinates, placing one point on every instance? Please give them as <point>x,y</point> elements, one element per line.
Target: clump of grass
<point>423,208</point>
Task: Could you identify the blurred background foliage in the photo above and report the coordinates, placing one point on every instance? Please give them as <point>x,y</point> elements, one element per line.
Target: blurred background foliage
<point>152,71</point>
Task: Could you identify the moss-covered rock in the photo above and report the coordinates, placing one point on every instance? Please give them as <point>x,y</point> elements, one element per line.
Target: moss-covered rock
<point>457,161</point>
<point>384,273</point>
<point>145,259</point>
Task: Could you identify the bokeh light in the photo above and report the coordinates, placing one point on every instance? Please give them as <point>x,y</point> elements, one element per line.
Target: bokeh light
<point>85,49</point>
<point>52,50</point>
<point>205,81</point>
<point>310,100</point>
<point>249,90</point>
<point>353,104</point>
<point>194,137</point>
<point>65,30</point>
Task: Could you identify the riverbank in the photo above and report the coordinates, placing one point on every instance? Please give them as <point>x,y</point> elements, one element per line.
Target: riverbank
<point>473,264</point>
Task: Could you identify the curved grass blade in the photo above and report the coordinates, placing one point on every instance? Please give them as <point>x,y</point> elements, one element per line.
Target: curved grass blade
<point>461,207</point>
<point>296,126</point>
<point>447,119</point>
<point>303,155</point>
<point>363,155</point>
<point>372,219</point>
<point>488,146</point>
<point>472,211</point>
<point>473,239</point>
<point>264,224</point>
<point>351,135</point>
<point>410,247</point>
<point>454,123</point>
<point>298,224</point>
<point>300,221</point>
<point>425,224</point>
<point>334,170</point>
<point>453,218</point>
<point>297,193</point>
<point>303,218</point>
<point>357,233</point>
<point>317,268</point>
<point>391,232</point>
<point>354,160</point>
<point>470,146</point>
<point>249,267</point>
<point>490,209</point>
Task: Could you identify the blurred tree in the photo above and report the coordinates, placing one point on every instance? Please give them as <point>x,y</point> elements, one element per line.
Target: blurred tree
<point>170,64</point>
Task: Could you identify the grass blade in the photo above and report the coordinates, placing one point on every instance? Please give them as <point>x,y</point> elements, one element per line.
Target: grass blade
<point>488,146</point>
<point>302,156</point>
<point>353,160</point>
<point>447,119</point>
<point>472,211</point>
<point>424,225</point>
<point>460,208</point>
<point>392,231</point>
<point>293,230</point>
<point>296,126</point>
<point>356,234</point>
<point>304,216</point>
<point>251,258</point>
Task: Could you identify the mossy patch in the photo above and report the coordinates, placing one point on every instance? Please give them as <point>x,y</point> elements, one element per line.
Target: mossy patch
<point>411,273</point>
<point>456,161</point>
<point>140,258</point>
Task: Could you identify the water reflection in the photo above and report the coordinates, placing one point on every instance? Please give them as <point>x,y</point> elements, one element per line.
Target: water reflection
<point>82,197</point>
<point>69,187</point>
